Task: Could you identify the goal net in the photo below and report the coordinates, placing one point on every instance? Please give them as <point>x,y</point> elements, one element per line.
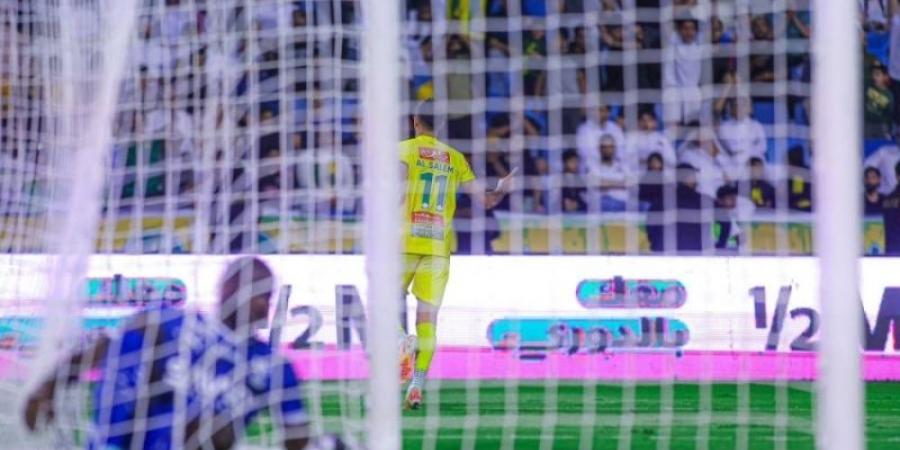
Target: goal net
<point>647,281</point>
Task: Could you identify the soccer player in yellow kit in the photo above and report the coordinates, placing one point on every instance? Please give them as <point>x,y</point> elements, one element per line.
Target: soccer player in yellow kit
<point>432,172</point>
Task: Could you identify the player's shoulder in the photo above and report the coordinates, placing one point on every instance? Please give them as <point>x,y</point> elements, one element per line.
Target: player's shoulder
<point>259,348</point>
<point>453,150</point>
<point>156,316</point>
<point>409,144</point>
<point>407,149</point>
<point>430,147</point>
<point>457,158</point>
<point>163,322</point>
<point>450,150</point>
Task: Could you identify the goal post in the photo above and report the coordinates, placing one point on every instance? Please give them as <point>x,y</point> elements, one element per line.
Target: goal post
<point>837,112</point>
<point>381,178</point>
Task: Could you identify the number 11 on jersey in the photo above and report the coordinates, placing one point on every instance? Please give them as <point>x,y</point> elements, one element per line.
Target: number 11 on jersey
<point>429,179</point>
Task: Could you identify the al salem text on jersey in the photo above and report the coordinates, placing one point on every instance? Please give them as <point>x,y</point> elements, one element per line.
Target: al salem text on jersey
<point>435,165</point>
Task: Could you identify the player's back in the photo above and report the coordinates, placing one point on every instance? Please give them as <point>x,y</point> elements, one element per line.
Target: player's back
<point>173,370</point>
<point>435,171</point>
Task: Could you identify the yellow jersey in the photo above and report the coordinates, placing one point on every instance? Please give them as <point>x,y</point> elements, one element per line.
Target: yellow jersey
<point>435,172</point>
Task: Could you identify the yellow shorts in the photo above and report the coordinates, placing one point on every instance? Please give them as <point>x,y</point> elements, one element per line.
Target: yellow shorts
<point>428,276</point>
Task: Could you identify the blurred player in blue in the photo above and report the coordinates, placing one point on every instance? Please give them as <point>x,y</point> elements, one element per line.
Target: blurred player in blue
<point>173,379</point>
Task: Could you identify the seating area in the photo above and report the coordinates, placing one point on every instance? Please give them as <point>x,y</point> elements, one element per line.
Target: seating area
<point>605,110</point>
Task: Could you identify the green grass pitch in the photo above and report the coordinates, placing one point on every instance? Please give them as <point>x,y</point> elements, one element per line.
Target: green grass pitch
<point>572,415</point>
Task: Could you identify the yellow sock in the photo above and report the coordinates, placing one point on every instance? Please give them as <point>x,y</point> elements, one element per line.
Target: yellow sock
<point>425,334</point>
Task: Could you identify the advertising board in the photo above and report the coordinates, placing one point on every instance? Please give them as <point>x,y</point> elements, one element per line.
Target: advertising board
<point>560,310</point>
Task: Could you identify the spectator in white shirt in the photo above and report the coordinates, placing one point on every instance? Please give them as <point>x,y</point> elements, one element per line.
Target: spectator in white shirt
<point>269,174</point>
<point>612,177</point>
<point>169,123</point>
<point>647,140</point>
<point>177,22</point>
<point>418,24</point>
<point>418,38</point>
<point>874,14</point>
<point>324,178</point>
<point>715,169</point>
<point>885,159</point>
<point>268,11</point>
<point>742,136</point>
<point>142,90</point>
<point>704,152</point>
<point>173,124</point>
<point>148,52</point>
<point>587,138</point>
<point>571,79</point>
<point>682,73</point>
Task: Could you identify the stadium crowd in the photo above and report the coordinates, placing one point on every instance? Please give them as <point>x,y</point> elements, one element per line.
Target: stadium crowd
<point>640,107</point>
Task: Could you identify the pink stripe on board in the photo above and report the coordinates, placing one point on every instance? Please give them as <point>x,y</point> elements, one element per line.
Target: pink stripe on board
<point>12,366</point>
<point>458,363</point>
<point>486,364</point>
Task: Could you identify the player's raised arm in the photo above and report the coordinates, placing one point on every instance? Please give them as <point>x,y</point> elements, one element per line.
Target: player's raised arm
<point>491,198</point>
<point>40,402</point>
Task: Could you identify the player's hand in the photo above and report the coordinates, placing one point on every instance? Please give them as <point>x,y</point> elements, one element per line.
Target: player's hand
<point>39,406</point>
<point>505,184</point>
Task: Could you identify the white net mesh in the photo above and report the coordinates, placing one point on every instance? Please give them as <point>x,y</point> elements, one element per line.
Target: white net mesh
<point>664,177</point>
